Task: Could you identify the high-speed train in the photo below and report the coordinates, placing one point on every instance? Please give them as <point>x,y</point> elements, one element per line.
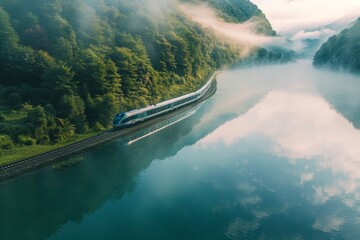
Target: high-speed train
<point>125,119</point>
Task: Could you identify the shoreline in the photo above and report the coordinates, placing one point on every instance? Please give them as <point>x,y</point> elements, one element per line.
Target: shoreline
<point>21,167</point>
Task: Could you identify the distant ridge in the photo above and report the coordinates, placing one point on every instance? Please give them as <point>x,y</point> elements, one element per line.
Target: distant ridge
<point>341,51</point>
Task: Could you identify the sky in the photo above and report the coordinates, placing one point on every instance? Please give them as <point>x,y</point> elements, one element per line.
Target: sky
<point>295,15</point>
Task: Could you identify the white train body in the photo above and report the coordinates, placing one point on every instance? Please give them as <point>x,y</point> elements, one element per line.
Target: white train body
<point>142,114</point>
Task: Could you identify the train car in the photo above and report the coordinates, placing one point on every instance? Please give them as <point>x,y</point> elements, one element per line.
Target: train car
<point>125,119</point>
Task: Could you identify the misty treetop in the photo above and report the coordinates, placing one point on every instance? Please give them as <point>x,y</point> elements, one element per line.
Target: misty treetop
<point>66,67</point>
<point>239,11</point>
<point>341,51</point>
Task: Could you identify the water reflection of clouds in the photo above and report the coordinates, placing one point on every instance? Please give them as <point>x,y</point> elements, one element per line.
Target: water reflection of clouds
<point>329,223</point>
<point>305,177</point>
<point>240,227</point>
<point>301,126</point>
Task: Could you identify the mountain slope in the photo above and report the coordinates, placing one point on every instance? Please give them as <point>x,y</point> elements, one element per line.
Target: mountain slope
<point>239,11</point>
<point>341,51</point>
<point>312,38</point>
<point>66,67</point>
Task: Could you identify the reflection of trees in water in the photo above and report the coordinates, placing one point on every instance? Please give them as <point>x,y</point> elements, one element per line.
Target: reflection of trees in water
<point>40,203</point>
<point>342,90</point>
<point>344,104</point>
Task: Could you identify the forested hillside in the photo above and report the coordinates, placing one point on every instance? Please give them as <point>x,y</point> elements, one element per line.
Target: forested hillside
<point>66,67</point>
<point>341,51</point>
<point>239,11</point>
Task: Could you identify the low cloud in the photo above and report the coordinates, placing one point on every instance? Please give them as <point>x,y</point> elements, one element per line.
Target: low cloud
<point>243,34</point>
<point>298,21</point>
<point>323,33</point>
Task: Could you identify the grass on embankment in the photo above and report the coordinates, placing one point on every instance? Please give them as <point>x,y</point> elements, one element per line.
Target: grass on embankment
<point>10,121</point>
<point>23,152</point>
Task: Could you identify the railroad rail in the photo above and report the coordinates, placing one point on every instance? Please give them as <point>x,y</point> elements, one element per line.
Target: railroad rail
<point>17,168</point>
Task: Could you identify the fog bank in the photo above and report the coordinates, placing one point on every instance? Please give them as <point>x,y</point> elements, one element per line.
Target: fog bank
<point>243,34</point>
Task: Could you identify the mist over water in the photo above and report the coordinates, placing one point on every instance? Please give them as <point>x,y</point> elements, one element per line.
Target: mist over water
<point>273,154</point>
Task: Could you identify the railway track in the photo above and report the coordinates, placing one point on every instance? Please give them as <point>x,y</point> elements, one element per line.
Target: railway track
<point>26,165</point>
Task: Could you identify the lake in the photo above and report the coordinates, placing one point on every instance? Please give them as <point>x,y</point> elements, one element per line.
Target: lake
<point>273,154</point>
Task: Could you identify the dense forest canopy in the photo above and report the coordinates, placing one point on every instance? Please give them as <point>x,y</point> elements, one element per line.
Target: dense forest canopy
<point>67,67</point>
<point>341,51</point>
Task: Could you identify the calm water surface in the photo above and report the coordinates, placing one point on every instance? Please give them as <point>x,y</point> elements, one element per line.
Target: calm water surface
<point>274,154</point>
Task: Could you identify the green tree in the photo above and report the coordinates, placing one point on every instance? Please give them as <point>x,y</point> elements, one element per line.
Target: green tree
<point>8,36</point>
<point>107,108</point>
<point>59,129</point>
<point>58,81</point>
<point>112,83</point>
<point>14,100</point>
<point>6,142</point>
<point>135,43</point>
<point>36,121</point>
<point>73,108</point>
<point>91,73</point>
<point>182,55</point>
<point>136,73</point>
